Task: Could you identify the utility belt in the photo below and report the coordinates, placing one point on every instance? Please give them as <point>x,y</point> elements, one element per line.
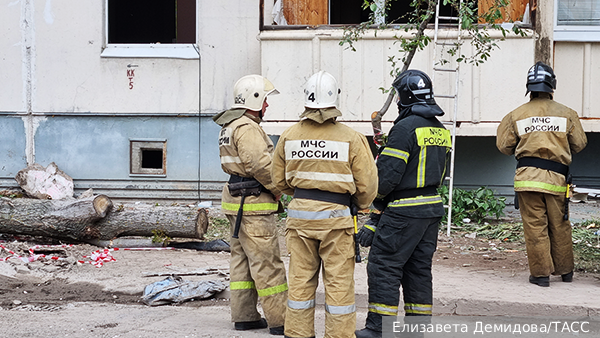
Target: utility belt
<point>324,196</point>
<point>557,167</point>
<point>407,193</point>
<point>543,164</point>
<point>244,186</point>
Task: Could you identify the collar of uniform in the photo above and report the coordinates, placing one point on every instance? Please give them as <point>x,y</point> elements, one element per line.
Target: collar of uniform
<point>253,118</point>
<point>321,115</point>
<point>229,115</point>
<point>541,95</point>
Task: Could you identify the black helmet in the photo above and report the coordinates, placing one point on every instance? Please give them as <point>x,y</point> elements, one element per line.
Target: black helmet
<point>413,87</point>
<point>541,78</point>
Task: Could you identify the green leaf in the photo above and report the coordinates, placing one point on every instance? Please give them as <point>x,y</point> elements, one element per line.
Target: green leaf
<point>373,7</point>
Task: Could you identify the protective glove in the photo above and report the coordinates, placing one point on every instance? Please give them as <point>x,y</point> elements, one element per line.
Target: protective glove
<point>367,232</point>
<point>379,204</point>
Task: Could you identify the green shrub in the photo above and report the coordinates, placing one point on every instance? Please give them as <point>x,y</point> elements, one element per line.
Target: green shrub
<point>476,204</point>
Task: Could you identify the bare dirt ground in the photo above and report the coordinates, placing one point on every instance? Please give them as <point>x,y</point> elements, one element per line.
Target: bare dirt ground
<point>93,301</point>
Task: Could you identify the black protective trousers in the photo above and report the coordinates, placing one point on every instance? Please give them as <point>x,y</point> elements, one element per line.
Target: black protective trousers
<point>401,255</point>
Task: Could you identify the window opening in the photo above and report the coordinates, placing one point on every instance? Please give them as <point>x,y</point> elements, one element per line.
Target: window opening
<point>151,21</point>
<point>345,12</point>
<point>148,157</point>
<point>152,158</point>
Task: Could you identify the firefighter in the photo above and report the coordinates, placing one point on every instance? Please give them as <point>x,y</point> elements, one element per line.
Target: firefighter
<point>543,135</point>
<point>250,201</point>
<point>403,232</point>
<point>329,169</point>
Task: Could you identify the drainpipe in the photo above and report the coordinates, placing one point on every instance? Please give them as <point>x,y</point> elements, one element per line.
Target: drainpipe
<point>28,54</point>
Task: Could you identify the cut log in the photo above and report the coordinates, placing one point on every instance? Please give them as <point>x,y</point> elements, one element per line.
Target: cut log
<point>154,220</point>
<point>95,217</point>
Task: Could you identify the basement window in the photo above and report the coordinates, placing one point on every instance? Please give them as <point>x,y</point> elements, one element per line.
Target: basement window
<point>151,28</point>
<point>148,157</point>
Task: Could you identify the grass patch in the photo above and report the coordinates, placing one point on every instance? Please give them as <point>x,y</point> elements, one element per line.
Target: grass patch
<point>586,246</point>
<point>218,228</point>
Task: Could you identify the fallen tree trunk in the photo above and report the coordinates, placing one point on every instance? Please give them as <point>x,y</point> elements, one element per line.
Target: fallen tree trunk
<point>95,217</point>
<point>154,220</point>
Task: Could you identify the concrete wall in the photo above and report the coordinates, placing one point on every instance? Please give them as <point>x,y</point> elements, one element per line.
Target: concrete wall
<point>67,96</point>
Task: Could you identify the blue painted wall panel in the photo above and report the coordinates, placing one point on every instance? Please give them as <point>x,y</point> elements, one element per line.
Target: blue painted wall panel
<point>12,146</point>
<point>98,147</point>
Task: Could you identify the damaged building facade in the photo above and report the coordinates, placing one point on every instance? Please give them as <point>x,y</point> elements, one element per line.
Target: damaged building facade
<point>120,93</point>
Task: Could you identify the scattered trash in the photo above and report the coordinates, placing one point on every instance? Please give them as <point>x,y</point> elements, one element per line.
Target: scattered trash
<point>215,245</point>
<point>466,220</point>
<point>176,290</point>
<point>205,204</point>
<point>471,235</point>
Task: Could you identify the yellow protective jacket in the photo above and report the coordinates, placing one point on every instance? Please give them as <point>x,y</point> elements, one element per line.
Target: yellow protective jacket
<point>324,154</point>
<point>545,129</point>
<point>246,150</point>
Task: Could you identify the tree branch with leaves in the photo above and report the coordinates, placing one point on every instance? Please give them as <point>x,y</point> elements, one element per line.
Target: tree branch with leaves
<point>474,25</point>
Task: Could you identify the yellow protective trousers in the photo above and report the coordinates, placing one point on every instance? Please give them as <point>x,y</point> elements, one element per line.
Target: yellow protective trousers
<point>309,250</point>
<point>547,235</point>
<point>256,270</point>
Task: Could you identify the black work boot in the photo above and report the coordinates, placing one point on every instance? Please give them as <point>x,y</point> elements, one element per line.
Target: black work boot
<point>367,333</point>
<point>257,324</point>
<point>567,277</point>
<point>540,281</point>
<point>276,331</point>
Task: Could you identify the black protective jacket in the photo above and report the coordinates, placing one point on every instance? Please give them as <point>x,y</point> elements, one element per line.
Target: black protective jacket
<point>414,158</point>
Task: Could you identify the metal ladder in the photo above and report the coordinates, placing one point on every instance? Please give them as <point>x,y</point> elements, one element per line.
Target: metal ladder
<point>437,68</point>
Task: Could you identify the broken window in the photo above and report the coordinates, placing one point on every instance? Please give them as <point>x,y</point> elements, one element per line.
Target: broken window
<point>151,21</point>
<point>339,12</point>
<point>148,157</point>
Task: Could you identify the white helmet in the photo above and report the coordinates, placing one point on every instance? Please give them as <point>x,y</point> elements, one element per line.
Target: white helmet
<point>250,92</point>
<point>321,91</point>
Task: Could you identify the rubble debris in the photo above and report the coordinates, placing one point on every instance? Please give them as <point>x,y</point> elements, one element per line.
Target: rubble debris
<point>45,183</point>
<point>174,289</point>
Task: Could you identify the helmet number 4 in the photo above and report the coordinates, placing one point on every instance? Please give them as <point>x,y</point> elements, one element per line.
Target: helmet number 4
<point>312,97</point>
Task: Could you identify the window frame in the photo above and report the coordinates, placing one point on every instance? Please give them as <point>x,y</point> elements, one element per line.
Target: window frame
<point>136,147</point>
<point>144,50</point>
<point>574,33</point>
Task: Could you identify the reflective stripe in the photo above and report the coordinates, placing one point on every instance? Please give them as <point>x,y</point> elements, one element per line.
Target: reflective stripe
<point>421,167</point>
<point>301,305</point>
<point>372,228</point>
<point>241,285</point>
<point>403,155</point>
<point>340,310</point>
<point>421,91</point>
<point>422,309</point>
<point>383,309</point>
<point>300,214</point>
<point>316,176</point>
<point>419,200</point>
<point>230,159</point>
<point>250,207</point>
<point>540,185</point>
<point>272,290</point>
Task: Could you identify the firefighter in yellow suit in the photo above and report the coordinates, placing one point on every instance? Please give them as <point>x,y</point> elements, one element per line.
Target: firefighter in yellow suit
<point>326,166</point>
<point>256,268</point>
<point>543,135</point>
